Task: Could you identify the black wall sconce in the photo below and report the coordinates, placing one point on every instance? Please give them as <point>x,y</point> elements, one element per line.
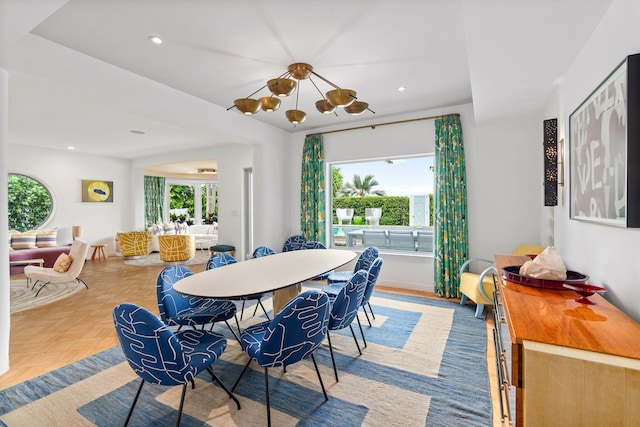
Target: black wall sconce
<point>550,145</point>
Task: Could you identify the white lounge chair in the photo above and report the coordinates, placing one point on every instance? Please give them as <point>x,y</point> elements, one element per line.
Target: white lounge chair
<point>344,214</point>
<point>372,215</point>
<point>78,253</point>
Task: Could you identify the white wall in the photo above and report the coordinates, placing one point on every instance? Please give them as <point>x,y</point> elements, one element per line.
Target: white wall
<point>62,172</point>
<point>504,179</point>
<point>232,159</point>
<point>608,255</point>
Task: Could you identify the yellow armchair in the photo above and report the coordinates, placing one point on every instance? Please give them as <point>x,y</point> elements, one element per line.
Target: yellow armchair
<point>134,243</point>
<point>478,287</point>
<point>176,248</point>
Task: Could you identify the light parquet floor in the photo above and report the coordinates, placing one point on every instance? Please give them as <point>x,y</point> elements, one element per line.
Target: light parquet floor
<point>65,331</point>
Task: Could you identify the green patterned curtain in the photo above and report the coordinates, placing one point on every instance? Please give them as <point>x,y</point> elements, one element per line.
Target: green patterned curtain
<point>153,199</point>
<point>312,216</point>
<point>451,233</point>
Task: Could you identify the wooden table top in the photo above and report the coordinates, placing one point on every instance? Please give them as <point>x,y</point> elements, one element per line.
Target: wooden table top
<point>264,274</point>
<point>554,317</point>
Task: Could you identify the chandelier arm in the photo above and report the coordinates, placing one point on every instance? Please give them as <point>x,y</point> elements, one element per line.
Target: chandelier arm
<point>234,105</point>
<point>316,86</point>
<point>325,80</point>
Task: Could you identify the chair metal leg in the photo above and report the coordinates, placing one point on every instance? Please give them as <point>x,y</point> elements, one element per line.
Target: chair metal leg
<point>83,282</point>
<point>266,384</point>
<point>242,311</point>
<point>241,374</point>
<point>355,339</point>
<point>333,360</point>
<point>263,309</point>
<point>232,331</point>
<point>135,400</point>
<point>326,398</point>
<point>372,314</point>
<point>364,308</point>
<point>361,332</point>
<point>224,387</point>
<point>184,391</point>
<point>41,288</point>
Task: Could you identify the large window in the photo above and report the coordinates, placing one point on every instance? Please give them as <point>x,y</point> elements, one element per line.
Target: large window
<point>384,203</point>
<point>30,203</point>
<point>193,202</point>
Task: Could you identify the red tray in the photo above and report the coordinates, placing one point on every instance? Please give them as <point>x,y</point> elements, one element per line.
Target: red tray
<point>512,274</point>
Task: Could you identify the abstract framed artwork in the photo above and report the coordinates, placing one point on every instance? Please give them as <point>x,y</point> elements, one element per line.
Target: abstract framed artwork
<point>605,150</point>
<point>97,191</point>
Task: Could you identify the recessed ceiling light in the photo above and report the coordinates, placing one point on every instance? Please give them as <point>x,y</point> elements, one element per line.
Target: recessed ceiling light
<point>401,88</point>
<point>155,39</point>
<point>71,148</point>
<point>137,132</point>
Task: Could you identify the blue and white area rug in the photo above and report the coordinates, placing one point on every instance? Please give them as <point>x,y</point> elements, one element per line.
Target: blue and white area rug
<point>425,365</point>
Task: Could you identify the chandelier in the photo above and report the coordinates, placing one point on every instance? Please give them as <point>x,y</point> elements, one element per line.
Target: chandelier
<point>287,83</point>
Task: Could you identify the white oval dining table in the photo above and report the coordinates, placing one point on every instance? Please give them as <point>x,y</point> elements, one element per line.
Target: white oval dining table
<point>281,273</point>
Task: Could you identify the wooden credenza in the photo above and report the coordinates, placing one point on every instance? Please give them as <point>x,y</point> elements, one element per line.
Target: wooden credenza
<point>571,364</point>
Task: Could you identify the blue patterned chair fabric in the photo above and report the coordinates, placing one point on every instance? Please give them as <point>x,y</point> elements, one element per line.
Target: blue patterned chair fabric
<point>295,333</point>
<point>294,243</point>
<point>374,272</point>
<point>362,263</point>
<point>261,251</point>
<point>177,309</point>
<point>220,260</point>
<point>160,356</point>
<point>344,308</point>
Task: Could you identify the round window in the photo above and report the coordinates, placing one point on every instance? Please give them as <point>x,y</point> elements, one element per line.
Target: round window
<point>30,203</point>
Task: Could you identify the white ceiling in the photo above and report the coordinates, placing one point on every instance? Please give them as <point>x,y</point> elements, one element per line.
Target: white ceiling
<point>84,73</point>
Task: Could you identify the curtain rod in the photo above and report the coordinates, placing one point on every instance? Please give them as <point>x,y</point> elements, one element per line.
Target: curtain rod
<point>386,124</point>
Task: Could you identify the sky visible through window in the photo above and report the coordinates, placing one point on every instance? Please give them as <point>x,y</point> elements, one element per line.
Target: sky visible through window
<point>402,177</point>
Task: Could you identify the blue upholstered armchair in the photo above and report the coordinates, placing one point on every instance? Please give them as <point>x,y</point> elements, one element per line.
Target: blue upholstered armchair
<point>344,308</point>
<point>362,263</point>
<point>160,356</point>
<point>177,309</point>
<point>295,333</point>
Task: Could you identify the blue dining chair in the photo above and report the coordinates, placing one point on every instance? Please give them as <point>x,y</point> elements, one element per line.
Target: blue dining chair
<point>297,242</point>
<point>294,243</point>
<point>344,308</point>
<point>372,278</point>
<point>160,356</point>
<point>261,251</point>
<point>362,263</point>
<point>295,333</point>
<point>223,259</point>
<point>178,309</point>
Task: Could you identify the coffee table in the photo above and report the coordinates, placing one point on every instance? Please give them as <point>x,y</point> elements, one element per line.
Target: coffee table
<point>25,262</point>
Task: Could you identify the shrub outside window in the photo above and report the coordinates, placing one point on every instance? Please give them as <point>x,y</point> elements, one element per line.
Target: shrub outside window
<point>383,203</point>
<point>30,203</point>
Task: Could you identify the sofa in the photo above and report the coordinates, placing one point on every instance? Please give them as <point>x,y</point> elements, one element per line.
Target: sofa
<point>34,244</point>
<point>205,235</point>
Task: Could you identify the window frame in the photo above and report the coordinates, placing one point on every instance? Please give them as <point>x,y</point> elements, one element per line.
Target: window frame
<point>329,199</point>
<point>49,190</point>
